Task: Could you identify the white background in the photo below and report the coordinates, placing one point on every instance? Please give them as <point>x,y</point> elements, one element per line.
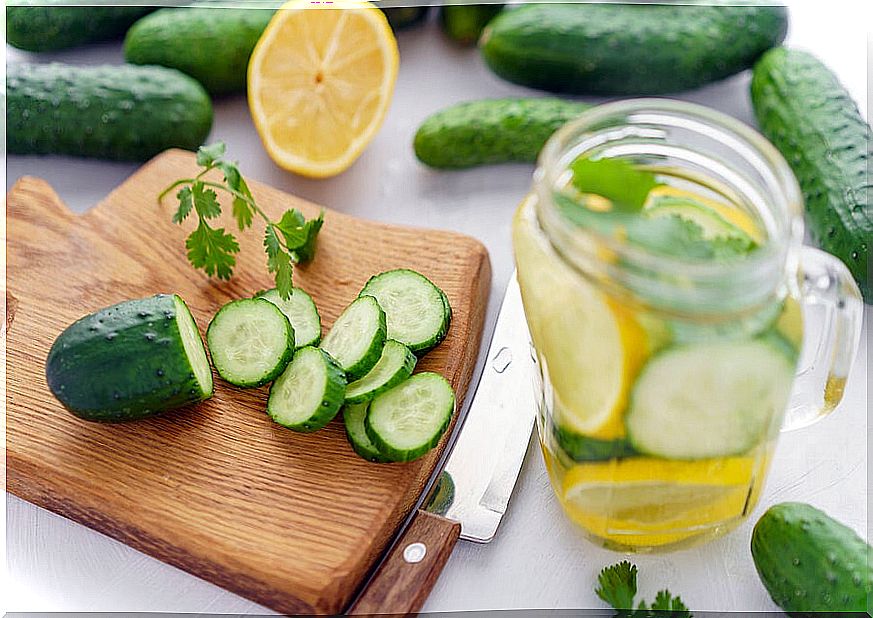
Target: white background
<point>537,560</point>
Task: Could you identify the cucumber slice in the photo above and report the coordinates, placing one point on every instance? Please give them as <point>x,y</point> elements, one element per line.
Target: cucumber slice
<point>353,417</point>
<point>407,421</point>
<point>309,392</point>
<point>356,339</point>
<point>251,342</point>
<point>394,366</point>
<point>417,311</point>
<point>301,311</point>
<point>581,448</point>
<point>709,400</point>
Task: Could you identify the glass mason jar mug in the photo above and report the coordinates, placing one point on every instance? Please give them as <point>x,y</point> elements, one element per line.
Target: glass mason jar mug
<point>663,279</point>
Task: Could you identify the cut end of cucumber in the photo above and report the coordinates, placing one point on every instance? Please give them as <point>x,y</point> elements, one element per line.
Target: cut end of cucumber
<point>408,420</point>
<point>356,339</point>
<point>417,311</point>
<point>309,392</point>
<point>394,366</point>
<point>193,345</point>
<point>251,342</point>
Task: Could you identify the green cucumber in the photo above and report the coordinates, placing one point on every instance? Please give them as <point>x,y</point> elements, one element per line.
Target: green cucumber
<point>212,45</point>
<point>130,361</point>
<point>51,25</point>
<point>353,418</point>
<point>810,117</point>
<point>403,17</point>
<point>711,223</point>
<point>124,113</point>
<point>407,421</point>
<point>309,392</point>
<point>463,23</point>
<point>618,48</point>
<point>582,448</point>
<point>251,342</point>
<point>301,311</point>
<point>811,563</point>
<point>417,311</point>
<point>394,366</point>
<point>491,131</point>
<point>357,337</point>
<point>704,400</point>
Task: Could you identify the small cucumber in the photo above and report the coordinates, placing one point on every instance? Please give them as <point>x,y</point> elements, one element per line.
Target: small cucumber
<point>353,418</point>
<point>357,337</point>
<point>811,118</point>
<point>129,361</point>
<point>623,48</point>
<point>301,311</point>
<point>52,25</point>
<point>491,131</point>
<point>417,311</point>
<point>463,23</point>
<point>403,17</point>
<point>394,366</point>
<point>703,400</point>
<point>407,421</point>
<point>124,113</point>
<point>811,563</point>
<point>309,392</point>
<point>251,342</point>
<point>212,45</point>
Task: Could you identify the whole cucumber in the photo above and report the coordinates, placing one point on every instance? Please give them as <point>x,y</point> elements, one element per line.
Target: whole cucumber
<point>403,17</point>
<point>211,45</point>
<point>628,49</point>
<point>51,25</point>
<point>810,117</point>
<point>464,23</point>
<point>811,563</point>
<point>125,113</point>
<point>491,131</point>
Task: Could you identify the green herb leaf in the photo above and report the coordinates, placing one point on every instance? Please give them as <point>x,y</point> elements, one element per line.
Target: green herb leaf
<point>213,250</point>
<point>205,201</point>
<point>208,155</point>
<point>242,211</point>
<point>618,585</point>
<point>185,205</point>
<point>665,602</point>
<point>618,180</point>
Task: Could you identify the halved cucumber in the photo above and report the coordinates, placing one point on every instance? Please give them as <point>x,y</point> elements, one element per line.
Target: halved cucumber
<point>394,366</point>
<point>250,341</point>
<point>353,417</point>
<point>356,339</point>
<point>309,392</point>
<point>709,400</point>
<point>417,311</point>
<point>407,421</point>
<point>301,311</point>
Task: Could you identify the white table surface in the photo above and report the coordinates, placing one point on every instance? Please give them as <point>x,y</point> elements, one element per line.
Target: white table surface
<point>537,560</point>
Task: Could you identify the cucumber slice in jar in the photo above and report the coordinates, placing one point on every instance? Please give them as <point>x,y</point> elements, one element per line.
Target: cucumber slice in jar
<point>250,341</point>
<point>353,418</point>
<point>301,311</point>
<point>417,311</point>
<point>356,339</point>
<point>309,392</point>
<point>708,400</point>
<point>407,421</point>
<point>394,366</point>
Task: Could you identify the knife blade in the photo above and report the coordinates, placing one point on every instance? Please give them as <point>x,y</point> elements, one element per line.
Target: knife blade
<point>482,467</point>
<point>469,495</point>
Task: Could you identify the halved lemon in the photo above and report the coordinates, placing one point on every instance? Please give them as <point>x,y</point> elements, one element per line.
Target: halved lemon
<point>320,81</point>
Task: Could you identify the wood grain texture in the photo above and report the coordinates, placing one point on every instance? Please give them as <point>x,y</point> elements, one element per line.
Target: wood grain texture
<point>400,587</point>
<point>291,521</point>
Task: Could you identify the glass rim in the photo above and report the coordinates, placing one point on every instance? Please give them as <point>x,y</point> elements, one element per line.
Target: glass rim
<point>758,263</point>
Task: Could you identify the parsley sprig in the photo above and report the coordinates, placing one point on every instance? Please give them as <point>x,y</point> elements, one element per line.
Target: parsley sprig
<point>617,585</point>
<point>288,241</point>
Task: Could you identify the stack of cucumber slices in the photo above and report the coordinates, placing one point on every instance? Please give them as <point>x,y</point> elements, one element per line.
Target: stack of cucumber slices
<point>363,365</point>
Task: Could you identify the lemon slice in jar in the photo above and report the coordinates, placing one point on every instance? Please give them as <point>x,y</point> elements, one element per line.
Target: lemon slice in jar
<point>320,81</point>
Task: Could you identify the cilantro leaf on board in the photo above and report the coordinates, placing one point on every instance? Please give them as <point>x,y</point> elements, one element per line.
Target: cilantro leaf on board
<point>213,250</point>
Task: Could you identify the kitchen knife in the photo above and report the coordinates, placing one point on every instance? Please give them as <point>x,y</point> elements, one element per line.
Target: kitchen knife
<point>468,496</point>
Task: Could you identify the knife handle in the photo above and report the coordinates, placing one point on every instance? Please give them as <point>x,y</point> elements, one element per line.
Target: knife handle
<point>409,572</point>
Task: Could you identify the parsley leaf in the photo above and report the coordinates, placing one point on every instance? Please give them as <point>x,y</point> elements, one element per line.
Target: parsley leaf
<point>242,211</point>
<point>300,234</point>
<point>617,180</point>
<point>665,602</point>
<point>618,585</point>
<point>212,250</point>
<point>205,201</point>
<point>208,155</point>
<point>185,205</point>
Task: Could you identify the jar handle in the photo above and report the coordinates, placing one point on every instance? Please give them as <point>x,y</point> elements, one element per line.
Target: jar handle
<point>818,387</point>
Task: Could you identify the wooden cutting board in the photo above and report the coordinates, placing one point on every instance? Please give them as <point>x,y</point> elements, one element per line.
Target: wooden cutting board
<point>292,521</point>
